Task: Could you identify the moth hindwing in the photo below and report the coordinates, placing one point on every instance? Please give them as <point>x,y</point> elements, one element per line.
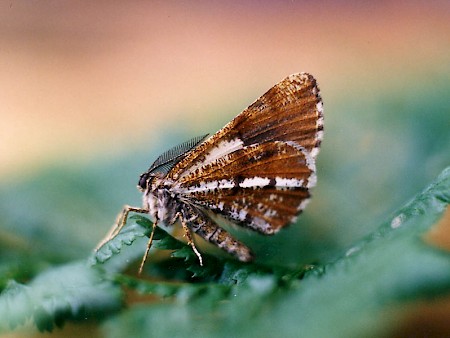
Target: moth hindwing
<point>256,172</point>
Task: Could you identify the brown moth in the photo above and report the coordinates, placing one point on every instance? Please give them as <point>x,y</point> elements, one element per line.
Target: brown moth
<point>256,172</point>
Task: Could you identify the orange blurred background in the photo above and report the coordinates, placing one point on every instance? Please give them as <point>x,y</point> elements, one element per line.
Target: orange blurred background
<point>78,78</point>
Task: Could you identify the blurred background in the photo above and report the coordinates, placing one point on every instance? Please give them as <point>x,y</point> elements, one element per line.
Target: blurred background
<point>92,92</point>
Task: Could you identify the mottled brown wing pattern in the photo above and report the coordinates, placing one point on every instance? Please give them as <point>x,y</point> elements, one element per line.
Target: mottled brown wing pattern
<point>265,210</point>
<point>257,170</point>
<point>289,111</point>
<point>273,159</point>
<point>263,186</point>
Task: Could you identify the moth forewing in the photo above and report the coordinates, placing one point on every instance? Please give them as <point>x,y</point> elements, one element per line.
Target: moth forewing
<point>291,110</point>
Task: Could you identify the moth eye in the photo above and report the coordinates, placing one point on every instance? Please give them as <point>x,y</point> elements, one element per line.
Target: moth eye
<point>143,181</point>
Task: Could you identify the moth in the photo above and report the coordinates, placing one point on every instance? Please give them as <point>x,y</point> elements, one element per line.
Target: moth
<point>255,172</point>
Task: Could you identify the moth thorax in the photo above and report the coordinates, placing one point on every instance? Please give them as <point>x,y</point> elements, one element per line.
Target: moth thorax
<point>163,206</point>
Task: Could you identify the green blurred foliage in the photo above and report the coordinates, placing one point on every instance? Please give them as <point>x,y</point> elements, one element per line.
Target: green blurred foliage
<point>377,153</point>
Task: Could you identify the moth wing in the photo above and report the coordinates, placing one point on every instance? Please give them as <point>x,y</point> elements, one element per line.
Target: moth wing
<point>289,111</point>
<point>262,186</point>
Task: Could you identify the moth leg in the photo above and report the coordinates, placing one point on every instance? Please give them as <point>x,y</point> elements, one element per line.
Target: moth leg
<point>203,226</point>
<point>147,250</point>
<point>190,241</point>
<point>120,222</point>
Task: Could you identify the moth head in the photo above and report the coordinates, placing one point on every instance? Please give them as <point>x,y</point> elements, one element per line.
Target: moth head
<point>145,181</point>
